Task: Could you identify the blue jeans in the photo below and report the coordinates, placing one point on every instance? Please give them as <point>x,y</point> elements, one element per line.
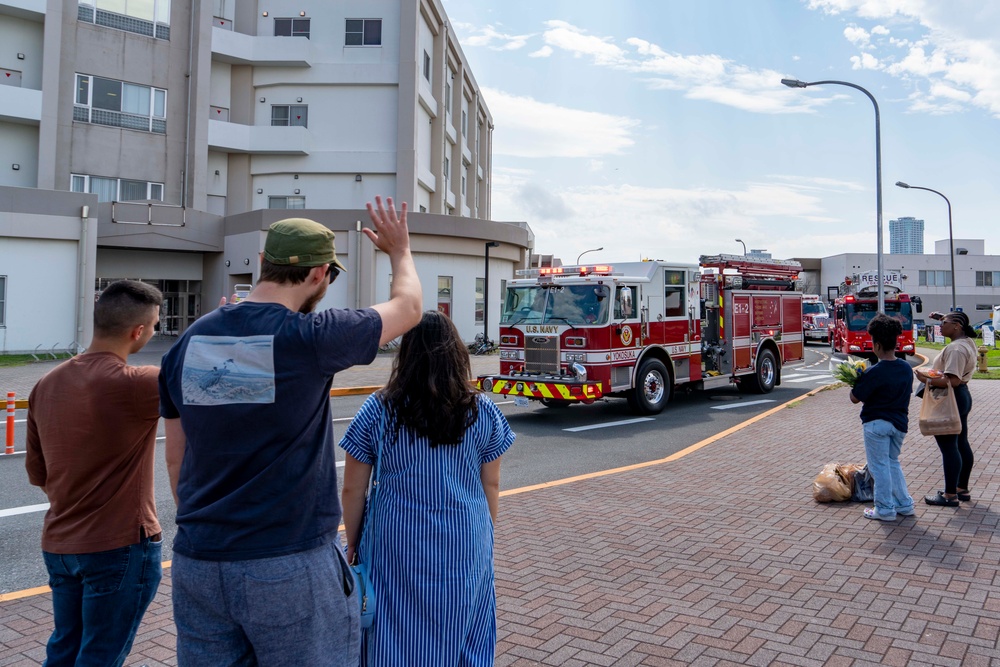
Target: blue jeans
<point>98,601</point>
<point>295,610</point>
<point>882,444</point>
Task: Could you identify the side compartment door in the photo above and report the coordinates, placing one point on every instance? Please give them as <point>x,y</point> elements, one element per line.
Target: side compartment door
<point>739,331</point>
<point>792,343</point>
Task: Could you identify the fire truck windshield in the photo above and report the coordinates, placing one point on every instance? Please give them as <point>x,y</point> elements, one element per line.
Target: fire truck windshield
<point>860,314</point>
<point>813,308</point>
<point>576,305</point>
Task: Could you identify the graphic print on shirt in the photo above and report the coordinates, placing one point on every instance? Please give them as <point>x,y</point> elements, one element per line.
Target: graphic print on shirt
<point>221,370</point>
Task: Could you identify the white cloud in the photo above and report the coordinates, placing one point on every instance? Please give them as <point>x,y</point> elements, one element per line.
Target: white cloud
<point>857,36</point>
<point>567,37</point>
<point>773,212</point>
<point>796,58</point>
<point>961,49</point>
<point>490,37</point>
<point>865,61</point>
<point>543,52</point>
<point>535,129</point>
<point>880,30</point>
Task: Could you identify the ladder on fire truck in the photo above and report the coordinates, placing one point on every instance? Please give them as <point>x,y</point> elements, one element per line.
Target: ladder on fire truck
<point>746,273</point>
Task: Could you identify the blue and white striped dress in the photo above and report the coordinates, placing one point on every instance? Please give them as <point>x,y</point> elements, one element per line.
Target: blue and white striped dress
<point>432,561</point>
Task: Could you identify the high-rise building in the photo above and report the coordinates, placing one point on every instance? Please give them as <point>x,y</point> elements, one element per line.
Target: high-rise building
<point>906,236</point>
<point>188,127</point>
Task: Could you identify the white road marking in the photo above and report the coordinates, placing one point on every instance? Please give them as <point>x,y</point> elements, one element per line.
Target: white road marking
<point>811,378</point>
<point>27,509</point>
<point>609,424</point>
<point>742,404</point>
<point>796,375</point>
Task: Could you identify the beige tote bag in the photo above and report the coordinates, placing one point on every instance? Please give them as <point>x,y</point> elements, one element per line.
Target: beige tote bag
<point>939,411</point>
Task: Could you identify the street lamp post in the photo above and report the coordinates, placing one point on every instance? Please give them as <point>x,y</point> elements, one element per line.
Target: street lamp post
<point>586,251</point>
<point>744,246</point>
<point>486,292</point>
<point>795,83</point>
<point>951,237</point>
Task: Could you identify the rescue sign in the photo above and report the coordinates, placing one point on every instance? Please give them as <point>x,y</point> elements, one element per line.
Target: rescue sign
<point>869,279</point>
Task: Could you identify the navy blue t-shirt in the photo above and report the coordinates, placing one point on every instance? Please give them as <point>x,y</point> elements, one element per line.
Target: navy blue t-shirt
<point>884,389</point>
<point>251,385</point>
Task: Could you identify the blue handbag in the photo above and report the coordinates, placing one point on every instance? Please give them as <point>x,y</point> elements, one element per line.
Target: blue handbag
<point>362,572</point>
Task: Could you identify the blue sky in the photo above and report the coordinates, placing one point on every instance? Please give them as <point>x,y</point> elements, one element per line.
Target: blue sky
<point>660,129</point>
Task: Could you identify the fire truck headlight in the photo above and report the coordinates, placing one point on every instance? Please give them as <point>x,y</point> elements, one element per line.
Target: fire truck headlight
<point>855,348</point>
<point>580,372</point>
<point>809,326</point>
<point>576,356</point>
<point>487,384</point>
<point>509,354</point>
<point>907,348</point>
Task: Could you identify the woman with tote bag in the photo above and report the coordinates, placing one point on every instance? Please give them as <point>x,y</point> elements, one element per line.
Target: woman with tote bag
<point>430,525</point>
<point>957,362</point>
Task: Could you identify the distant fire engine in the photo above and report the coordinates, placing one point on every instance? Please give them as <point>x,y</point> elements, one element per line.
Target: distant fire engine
<point>815,318</point>
<point>857,303</point>
<point>640,330</point>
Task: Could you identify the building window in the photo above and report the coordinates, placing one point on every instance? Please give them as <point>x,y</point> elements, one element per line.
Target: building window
<point>479,133</point>
<point>427,66</point>
<point>480,299</point>
<point>979,306</point>
<point>463,184</point>
<point>444,294</point>
<point>465,123</point>
<point>3,301</point>
<point>291,28</point>
<point>290,115</point>
<point>143,17</point>
<point>987,278</point>
<point>447,97</point>
<point>363,32</point>
<point>116,189</point>
<point>935,279</point>
<point>119,104</point>
<point>286,202</point>
<point>447,168</point>
<point>423,209</point>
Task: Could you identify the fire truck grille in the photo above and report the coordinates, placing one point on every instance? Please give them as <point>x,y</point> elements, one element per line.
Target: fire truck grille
<point>541,354</point>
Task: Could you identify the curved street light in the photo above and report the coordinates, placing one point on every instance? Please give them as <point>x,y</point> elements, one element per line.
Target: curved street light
<point>795,83</point>
<point>586,251</point>
<point>951,237</point>
<point>744,246</point>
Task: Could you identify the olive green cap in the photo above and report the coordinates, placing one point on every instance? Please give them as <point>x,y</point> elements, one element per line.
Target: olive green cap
<point>300,242</point>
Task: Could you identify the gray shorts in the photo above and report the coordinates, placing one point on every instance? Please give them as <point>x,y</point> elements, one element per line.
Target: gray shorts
<point>296,610</point>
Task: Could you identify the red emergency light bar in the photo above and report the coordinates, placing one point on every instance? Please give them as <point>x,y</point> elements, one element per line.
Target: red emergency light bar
<point>599,268</point>
<point>849,298</point>
<point>550,271</point>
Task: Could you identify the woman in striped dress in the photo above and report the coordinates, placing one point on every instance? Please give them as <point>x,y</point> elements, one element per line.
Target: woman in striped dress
<point>439,482</point>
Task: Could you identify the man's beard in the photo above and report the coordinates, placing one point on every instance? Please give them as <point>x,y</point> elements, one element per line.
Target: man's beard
<point>310,303</point>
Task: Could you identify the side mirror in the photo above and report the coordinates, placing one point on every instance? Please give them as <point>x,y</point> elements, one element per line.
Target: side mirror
<point>625,301</point>
<point>919,303</point>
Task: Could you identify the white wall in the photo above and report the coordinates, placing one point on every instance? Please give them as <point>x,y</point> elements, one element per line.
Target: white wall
<point>138,264</point>
<point>20,36</point>
<point>41,294</point>
<point>19,145</point>
<point>217,184</point>
<point>220,90</point>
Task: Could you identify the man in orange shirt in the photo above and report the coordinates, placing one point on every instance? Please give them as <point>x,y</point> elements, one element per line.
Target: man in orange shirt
<point>90,447</point>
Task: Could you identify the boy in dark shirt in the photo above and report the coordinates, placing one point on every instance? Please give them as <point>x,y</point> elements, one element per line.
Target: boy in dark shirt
<point>884,389</point>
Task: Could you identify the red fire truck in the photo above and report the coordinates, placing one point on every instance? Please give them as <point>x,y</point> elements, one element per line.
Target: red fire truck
<point>857,303</point>
<point>640,330</point>
<point>815,319</point>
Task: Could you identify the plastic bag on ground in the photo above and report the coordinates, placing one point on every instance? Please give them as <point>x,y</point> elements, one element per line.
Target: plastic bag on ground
<point>864,486</point>
<point>831,485</point>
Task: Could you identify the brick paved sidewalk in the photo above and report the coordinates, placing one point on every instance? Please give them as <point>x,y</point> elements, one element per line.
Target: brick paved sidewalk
<point>721,558</point>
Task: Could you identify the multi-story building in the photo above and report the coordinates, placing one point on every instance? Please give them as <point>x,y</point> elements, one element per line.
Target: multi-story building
<point>906,236</point>
<point>188,126</point>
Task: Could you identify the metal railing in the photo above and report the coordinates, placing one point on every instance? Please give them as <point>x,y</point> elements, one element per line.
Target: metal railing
<point>149,214</point>
<point>129,121</point>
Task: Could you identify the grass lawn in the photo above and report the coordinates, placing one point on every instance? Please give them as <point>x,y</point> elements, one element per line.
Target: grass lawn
<point>9,360</point>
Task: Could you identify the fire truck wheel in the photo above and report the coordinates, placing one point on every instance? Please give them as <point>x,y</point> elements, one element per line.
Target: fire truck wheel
<point>762,382</point>
<point>553,403</point>
<point>652,388</point>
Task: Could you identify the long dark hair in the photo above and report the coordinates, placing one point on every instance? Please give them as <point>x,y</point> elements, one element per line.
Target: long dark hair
<point>428,390</point>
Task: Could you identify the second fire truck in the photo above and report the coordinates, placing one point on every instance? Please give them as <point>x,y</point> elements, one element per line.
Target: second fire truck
<point>857,303</point>
<point>641,330</point>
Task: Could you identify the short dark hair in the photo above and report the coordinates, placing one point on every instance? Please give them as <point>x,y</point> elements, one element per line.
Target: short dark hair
<point>282,274</point>
<point>124,304</point>
<point>885,331</point>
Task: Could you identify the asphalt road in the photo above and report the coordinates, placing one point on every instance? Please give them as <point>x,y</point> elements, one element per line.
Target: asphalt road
<point>551,444</point>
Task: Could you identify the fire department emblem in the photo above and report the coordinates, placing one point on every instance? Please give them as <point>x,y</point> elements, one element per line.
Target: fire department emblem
<point>626,335</point>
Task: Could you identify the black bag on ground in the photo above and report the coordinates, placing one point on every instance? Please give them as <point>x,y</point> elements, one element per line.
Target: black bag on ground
<point>864,486</point>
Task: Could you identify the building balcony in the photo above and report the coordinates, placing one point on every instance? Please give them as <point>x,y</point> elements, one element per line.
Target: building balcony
<point>32,10</point>
<point>239,49</point>
<point>258,139</point>
<point>20,105</point>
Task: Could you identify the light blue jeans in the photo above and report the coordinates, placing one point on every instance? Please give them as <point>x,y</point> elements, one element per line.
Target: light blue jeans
<point>287,611</point>
<point>882,444</point>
